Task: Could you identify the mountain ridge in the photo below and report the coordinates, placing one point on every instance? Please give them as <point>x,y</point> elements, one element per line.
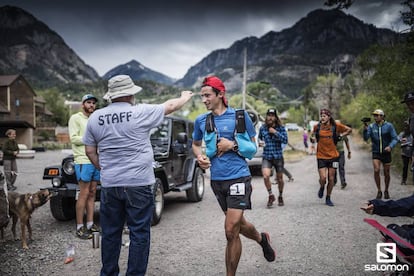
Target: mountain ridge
<point>29,47</point>
<point>137,71</point>
<point>291,58</point>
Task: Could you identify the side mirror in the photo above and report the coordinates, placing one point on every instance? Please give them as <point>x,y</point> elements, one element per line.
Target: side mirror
<point>180,144</point>
<point>182,138</point>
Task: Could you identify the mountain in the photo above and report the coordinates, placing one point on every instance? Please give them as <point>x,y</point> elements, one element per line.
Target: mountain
<point>30,48</point>
<point>323,41</point>
<point>137,71</point>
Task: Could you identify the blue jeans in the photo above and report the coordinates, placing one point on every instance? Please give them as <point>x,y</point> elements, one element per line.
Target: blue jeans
<point>135,206</point>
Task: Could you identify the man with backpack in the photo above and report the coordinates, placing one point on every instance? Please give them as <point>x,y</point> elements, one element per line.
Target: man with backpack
<point>230,174</point>
<point>327,133</point>
<point>383,138</point>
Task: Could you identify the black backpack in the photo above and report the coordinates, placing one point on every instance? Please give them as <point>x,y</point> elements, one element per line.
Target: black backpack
<point>240,122</point>
<point>334,134</point>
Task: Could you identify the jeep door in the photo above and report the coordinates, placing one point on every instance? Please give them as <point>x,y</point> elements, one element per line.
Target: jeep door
<point>179,151</point>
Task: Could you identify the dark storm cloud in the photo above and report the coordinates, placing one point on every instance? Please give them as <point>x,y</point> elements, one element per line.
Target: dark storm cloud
<point>170,36</point>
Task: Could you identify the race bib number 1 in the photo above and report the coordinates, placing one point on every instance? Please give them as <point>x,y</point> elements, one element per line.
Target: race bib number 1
<point>237,189</point>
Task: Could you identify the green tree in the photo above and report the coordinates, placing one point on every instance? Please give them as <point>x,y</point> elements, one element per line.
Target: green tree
<point>388,75</point>
<point>56,104</point>
<point>408,15</point>
<point>325,92</point>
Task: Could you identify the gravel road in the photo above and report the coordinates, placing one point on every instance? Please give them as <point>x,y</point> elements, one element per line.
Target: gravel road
<point>310,238</point>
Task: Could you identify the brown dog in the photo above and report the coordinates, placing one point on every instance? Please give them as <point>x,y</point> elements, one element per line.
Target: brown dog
<point>21,206</point>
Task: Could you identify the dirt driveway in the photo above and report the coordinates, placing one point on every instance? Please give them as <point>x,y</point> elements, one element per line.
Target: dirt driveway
<point>310,238</point>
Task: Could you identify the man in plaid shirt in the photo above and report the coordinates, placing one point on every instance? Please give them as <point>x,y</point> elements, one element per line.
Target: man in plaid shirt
<point>273,134</point>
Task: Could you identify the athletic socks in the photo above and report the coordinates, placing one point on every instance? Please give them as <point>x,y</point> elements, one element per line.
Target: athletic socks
<point>89,224</point>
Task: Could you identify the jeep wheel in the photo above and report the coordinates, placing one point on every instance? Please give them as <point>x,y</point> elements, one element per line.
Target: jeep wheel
<point>158,201</point>
<point>63,208</point>
<point>196,192</point>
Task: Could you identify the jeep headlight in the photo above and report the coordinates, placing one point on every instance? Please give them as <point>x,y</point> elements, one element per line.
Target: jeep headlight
<point>69,167</point>
<point>56,182</point>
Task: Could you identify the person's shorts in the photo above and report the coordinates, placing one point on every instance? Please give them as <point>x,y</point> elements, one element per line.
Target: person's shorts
<point>328,163</point>
<point>384,157</point>
<point>277,163</point>
<point>87,172</point>
<point>234,193</point>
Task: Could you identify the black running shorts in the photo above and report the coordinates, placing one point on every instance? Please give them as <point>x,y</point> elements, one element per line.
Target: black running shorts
<point>384,157</point>
<point>234,193</point>
<point>328,163</point>
<point>277,163</point>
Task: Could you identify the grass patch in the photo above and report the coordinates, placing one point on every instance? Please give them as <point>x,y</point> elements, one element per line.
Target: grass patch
<point>294,155</point>
<point>295,139</point>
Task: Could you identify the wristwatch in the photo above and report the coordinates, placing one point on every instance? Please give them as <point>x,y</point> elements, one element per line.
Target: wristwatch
<point>235,146</point>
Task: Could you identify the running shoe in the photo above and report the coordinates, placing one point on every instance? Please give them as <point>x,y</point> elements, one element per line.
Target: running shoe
<point>95,228</point>
<point>329,202</point>
<point>268,251</point>
<point>280,201</point>
<point>379,195</point>
<point>386,195</point>
<point>343,185</point>
<point>320,193</point>
<point>271,200</point>
<point>83,233</point>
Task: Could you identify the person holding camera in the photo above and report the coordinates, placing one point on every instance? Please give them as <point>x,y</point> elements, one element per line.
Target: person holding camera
<point>383,138</point>
<point>274,135</point>
<point>327,133</point>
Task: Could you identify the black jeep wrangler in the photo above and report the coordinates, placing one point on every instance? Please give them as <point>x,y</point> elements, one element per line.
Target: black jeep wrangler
<point>175,169</point>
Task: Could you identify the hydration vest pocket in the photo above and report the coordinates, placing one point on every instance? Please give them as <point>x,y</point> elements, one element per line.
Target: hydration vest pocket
<point>210,138</point>
<point>247,148</point>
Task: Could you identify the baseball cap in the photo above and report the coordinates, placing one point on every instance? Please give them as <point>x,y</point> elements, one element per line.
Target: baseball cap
<point>88,97</point>
<point>216,83</point>
<point>409,96</point>
<point>271,111</point>
<point>378,112</point>
<point>121,86</point>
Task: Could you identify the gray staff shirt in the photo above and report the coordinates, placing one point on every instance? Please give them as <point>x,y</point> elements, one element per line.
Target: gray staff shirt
<point>121,132</point>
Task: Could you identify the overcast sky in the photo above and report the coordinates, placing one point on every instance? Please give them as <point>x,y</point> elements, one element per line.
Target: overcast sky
<point>170,36</point>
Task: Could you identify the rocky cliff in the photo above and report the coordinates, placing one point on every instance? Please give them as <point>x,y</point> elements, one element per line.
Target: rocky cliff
<point>31,48</point>
<point>323,41</point>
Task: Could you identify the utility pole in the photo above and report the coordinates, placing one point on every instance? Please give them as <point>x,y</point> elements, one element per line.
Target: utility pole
<point>244,77</point>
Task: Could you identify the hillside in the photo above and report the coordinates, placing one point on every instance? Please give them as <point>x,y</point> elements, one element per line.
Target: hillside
<point>31,48</point>
<point>321,42</point>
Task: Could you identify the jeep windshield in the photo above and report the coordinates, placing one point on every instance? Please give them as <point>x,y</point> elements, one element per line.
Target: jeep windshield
<point>160,138</point>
